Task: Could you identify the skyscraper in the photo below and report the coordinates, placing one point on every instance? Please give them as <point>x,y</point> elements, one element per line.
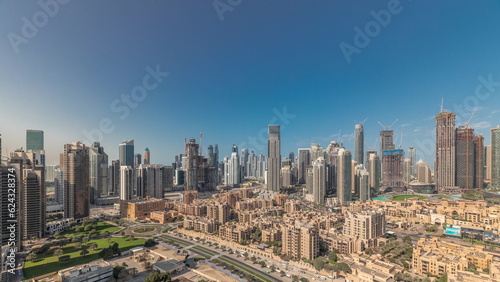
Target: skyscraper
<point>423,172</point>
<point>98,172</point>
<point>34,140</point>
<point>233,170</point>
<point>147,156</point>
<point>126,150</point>
<point>375,169</point>
<point>191,150</point>
<point>392,168</point>
<point>127,182</point>
<point>407,171</point>
<point>495,157</point>
<point>464,157</point>
<point>319,180</point>
<point>344,177</point>
<point>386,141</point>
<point>34,143</point>
<point>137,160</point>
<point>412,154</point>
<point>274,158</point>
<point>487,163</point>
<point>31,190</point>
<point>150,181</point>
<point>359,143</point>
<point>304,160</point>
<point>114,178</point>
<point>75,166</point>
<point>445,170</point>
<point>364,184</point>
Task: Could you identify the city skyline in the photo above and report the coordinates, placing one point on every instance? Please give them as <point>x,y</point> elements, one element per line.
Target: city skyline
<point>406,71</point>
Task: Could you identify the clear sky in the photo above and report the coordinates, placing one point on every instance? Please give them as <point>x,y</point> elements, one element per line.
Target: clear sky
<point>232,70</point>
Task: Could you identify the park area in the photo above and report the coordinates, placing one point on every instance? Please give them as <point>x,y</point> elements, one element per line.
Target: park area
<point>65,255</point>
<point>404,197</point>
<point>89,229</point>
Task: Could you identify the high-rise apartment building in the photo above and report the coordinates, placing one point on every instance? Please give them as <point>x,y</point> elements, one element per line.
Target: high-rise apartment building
<point>150,181</point>
<point>274,158</point>
<point>445,169</point>
<point>495,157</point>
<point>365,225</point>
<point>424,174</point>
<point>304,161</point>
<point>319,180</point>
<point>344,177</point>
<point>359,143</point>
<point>126,151</point>
<point>300,241</point>
<point>487,163</point>
<point>412,155</point>
<point>75,166</point>
<point>98,172</point>
<point>375,170</point>
<point>127,182</point>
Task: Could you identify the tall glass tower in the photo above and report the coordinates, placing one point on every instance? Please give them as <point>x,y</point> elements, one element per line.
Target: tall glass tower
<point>127,153</point>
<point>34,140</point>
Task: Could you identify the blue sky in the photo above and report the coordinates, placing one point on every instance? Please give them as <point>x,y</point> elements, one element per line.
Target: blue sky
<point>228,78</point>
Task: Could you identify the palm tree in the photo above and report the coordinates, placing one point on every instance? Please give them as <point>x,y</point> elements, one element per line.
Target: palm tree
<point>134,271</point>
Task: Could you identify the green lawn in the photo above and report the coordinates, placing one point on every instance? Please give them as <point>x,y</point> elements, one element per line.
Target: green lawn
<point>404,197</point>
<point>47,263</point>
<point>203,250</point>
<point>101,227</point>
<point>245,269</point>
<point>144,229</point>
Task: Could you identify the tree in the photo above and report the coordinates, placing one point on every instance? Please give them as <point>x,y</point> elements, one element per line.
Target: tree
<point>282,273</point>
<point>149,243</point>
<point>85,240</point>
<point>318,263</point>
<point>134,271</point>
<point>303,279</point>
<point>159,277</point>
<point>245,255</point>
<point>443,278</point>
<point>93,246</point>
<point>407,239</point>
<point>84,252</point>
<point>58,252</point>
<point>342,267</point>
<point>122,233</point>
<point>64,259</point>
<point>78,245</point>
<point>31,257</point>
<point>369,251</point>
<point>333,256</point>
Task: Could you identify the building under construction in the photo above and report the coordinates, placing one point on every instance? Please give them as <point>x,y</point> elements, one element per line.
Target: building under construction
<point>393,172</point>
<point>199,174</point>
<point>469,158</point>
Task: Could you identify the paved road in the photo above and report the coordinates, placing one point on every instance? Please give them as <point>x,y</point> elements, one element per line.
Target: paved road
<point>272,278</point>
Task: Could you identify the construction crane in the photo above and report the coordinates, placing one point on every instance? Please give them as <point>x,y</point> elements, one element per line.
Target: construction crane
<point>361,122</point>
<point>388,127</point>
